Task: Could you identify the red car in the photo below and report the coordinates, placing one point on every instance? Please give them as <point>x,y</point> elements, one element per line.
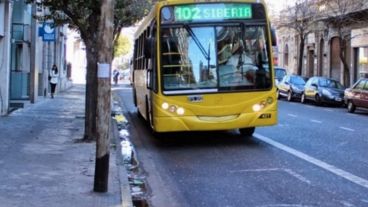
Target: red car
<point>357,95</point>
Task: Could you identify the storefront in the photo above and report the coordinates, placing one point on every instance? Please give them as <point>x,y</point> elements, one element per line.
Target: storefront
<point>359,43</point>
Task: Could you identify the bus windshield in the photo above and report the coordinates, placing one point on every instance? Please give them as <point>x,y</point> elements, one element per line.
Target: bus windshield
<point>214,58</point>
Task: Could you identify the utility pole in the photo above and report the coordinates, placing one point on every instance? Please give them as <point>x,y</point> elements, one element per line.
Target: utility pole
<point>103,119</point>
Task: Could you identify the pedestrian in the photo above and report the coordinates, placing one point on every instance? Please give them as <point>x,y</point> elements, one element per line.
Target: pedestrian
<point>53,78</point>
<point>116,76</point>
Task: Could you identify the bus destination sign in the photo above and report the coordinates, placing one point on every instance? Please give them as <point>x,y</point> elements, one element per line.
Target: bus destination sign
<point>202,12</point>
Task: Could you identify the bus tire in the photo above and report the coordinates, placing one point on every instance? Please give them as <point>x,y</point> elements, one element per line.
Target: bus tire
<point>247,131</point>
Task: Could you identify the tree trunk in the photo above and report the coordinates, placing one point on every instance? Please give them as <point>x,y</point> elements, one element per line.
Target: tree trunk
<point>342,54</point>
<point>301,54</point>
<point>103,110</point>
<point>91,93</point>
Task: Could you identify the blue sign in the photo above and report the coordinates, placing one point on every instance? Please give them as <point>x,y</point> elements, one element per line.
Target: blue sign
<point>48,32</point>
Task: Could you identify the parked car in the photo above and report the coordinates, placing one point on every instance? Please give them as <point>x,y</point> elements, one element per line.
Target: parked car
<point>279,74</point>
<point>357,95</point>
<point>323,90</point>
<point>291,86</point>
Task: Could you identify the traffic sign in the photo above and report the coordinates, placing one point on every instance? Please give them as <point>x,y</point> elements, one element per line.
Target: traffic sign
<point>48,32</point>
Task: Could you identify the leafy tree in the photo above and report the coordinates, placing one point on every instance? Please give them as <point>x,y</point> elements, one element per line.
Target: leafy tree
<point>84,16</point>
<point>123,46</point>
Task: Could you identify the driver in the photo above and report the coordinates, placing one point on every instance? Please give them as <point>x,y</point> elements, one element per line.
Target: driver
<point>238,57</point>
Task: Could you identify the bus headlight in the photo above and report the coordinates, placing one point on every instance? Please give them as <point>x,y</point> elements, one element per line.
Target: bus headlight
<point>262,104</point>
<point>180,111</point>
<point>257,107</point>
<point>269,100</point>
<point>172,109</point>
<point>165,106</point>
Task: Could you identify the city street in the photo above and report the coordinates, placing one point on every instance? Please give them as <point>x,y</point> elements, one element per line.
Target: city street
<point>315,156</point>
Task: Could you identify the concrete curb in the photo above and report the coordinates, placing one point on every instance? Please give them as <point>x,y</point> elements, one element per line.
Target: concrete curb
<point>126,198</point>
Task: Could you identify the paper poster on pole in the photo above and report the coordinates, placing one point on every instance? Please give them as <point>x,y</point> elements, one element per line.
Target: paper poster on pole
<point>103,70</point>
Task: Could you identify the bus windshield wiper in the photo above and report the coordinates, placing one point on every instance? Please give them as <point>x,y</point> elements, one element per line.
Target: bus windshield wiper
<point>198,43</point>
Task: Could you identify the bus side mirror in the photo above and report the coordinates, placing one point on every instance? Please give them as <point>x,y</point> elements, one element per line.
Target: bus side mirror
<point>148,47</point>
<point>273,37</point>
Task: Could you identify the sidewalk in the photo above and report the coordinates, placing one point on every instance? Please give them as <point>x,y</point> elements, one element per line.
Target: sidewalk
<point>41,165</point>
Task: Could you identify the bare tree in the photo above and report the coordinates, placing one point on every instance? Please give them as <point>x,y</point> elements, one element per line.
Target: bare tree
<point>342,15</point>
<point>300,18</point>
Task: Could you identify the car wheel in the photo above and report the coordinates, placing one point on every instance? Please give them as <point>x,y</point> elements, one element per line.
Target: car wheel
<point>318,100</point>
<point>351,107</point>
<point>290,95</point>
<point>247,131</point>
<point>302,99</point>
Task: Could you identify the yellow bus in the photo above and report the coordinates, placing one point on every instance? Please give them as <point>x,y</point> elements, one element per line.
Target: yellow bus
<point>202,65</point>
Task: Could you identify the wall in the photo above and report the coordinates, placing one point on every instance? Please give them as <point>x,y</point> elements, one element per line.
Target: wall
<point>4,56</point>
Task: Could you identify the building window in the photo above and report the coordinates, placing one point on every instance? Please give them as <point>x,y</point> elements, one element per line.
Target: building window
<point>321,57</point>
<point>286,55</point>
<point>335,59</point>
<point>17,50</point>
<point>363,62</point>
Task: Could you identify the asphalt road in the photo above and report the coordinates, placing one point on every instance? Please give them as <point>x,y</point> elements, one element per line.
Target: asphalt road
<point>315,156</point>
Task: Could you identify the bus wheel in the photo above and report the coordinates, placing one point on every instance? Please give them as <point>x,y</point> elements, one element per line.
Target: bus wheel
<point>247,131</point>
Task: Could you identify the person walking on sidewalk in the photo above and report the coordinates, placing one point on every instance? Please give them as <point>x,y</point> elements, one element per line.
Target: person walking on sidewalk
<point>116,76</point>
<point>53,78</point>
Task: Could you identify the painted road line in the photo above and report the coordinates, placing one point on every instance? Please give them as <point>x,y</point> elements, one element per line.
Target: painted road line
<point>347,129</point>
<point>286,170</point>
<point>329,110</point>
<point>316,121</point>
<point>337,171</point>
<point>292,115</point>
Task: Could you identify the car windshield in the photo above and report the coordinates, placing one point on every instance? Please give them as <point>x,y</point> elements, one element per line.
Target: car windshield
<point>214,58</point>
<point>328,83</point>
<point>280,73</point>
<point>297,80</point>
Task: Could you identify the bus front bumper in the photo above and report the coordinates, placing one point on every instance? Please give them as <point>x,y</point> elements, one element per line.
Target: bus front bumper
<point>195,123</point>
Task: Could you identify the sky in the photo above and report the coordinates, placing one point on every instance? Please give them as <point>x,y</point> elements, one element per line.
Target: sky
<point>278,5</point>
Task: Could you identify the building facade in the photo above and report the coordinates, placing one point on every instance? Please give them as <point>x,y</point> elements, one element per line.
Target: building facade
<point>27,56</point>
<point>6,8</point>
<point>322,51</point>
